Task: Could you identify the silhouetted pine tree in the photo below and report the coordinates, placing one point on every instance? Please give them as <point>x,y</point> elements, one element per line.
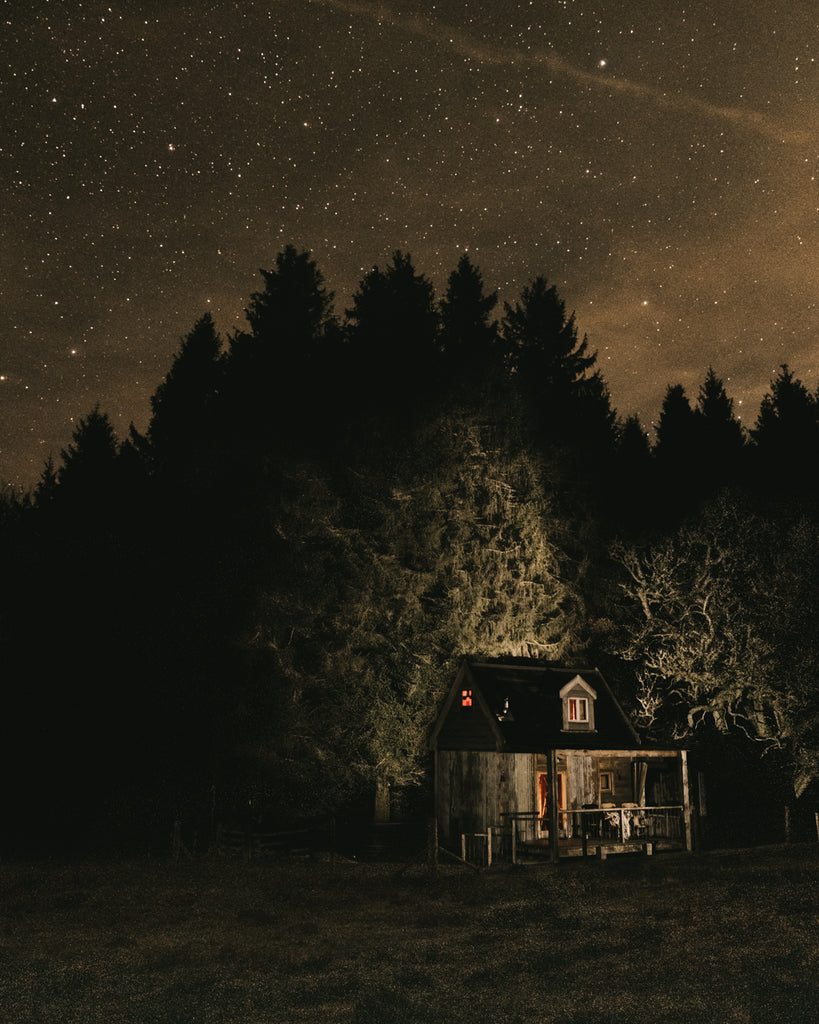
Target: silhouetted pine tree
<point>469,338</point>
<point>720,440</point>
<point>182,432</point>
<point>88,475</point>
<point>631,505</point>
<point>553,366</point>
<point>786,439</point>
<point>82,591</point>
<point>281,375</point>
<point>675,454</point>
<point>566,400</point>
<point>566,410</point>
<point>392,328</point>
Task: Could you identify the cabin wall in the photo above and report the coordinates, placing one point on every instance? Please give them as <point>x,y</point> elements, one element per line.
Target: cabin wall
<point>583,773</point>
<point>581,777</point>
<point>474,788</point>
<point>663,784</point>
<point>621,772</point>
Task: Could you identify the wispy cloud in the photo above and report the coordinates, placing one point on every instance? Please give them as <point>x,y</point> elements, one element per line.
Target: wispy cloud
<point>468,46</point>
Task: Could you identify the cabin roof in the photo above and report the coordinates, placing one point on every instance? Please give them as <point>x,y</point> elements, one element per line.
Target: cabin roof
<point>517,706</point>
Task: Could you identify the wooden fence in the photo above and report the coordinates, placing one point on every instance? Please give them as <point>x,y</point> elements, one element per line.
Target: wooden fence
<point>251,844</point>
<point>484,848</point>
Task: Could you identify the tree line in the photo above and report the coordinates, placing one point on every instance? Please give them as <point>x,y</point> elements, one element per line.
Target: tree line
<point>256,605</point>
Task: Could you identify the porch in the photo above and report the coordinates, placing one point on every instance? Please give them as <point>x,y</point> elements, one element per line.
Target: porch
<point>600,831</point>
<point>625,829</point>
<point>582,798</point>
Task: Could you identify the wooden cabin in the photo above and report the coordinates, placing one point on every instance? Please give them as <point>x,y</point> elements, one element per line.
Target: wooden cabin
<point>544,757</point>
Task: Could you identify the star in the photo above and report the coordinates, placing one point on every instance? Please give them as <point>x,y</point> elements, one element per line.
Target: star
<point>152,161</point>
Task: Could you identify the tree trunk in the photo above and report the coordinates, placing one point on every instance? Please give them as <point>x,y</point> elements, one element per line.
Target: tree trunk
<point>381,813</point>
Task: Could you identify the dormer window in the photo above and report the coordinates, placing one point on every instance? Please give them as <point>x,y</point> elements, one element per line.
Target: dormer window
<point>578,709</point>
<point>577,699</point>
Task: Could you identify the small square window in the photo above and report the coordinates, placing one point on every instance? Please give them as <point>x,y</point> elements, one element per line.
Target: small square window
<point>466,698</point>
<point>606,782</point>
<point>578,709</point>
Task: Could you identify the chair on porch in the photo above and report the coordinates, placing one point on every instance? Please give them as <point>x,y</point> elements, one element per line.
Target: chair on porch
<point>639,824</point>
<point>590,823</point>
<point>610,822</point>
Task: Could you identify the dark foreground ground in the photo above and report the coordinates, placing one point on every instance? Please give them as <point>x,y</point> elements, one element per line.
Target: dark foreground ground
<point>717,938</point>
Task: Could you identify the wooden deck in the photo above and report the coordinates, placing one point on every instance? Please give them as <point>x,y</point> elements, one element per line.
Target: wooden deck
<point>589,832</point>
<point>538,851</point>
<point>599,831</point>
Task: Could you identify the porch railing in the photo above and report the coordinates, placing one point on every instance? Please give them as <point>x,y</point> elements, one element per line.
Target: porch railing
<point>609,825</point>
<point>587,827</point>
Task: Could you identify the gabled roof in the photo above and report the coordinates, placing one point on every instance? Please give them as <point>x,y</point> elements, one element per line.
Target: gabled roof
<point>517,706</point>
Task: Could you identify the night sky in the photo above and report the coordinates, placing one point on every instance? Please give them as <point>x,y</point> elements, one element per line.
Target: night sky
<point>656,161</point>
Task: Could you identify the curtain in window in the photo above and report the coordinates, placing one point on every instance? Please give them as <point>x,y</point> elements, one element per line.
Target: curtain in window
<point>543,799</point>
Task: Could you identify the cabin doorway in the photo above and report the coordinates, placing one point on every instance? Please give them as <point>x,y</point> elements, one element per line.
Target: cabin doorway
<point>543,801</point>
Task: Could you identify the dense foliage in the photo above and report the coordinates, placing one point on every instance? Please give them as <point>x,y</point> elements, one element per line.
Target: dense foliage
<point>260,601</point>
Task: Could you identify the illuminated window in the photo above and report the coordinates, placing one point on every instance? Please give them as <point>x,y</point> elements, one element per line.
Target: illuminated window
<point>578,709</point>
<point>578,699</point>
<point>466,698</point>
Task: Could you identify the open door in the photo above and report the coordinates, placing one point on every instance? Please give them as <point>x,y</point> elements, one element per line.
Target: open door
<point>543,800</point>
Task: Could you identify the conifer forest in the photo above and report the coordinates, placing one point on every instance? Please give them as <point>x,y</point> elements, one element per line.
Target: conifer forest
<point>255,606</point>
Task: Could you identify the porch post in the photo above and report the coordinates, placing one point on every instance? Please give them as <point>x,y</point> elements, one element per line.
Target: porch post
<point>554,849</point>
<point>686,801</point>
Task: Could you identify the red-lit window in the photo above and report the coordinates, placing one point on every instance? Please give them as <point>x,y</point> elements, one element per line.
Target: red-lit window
<point>466,698</point>
<point>578,709</point>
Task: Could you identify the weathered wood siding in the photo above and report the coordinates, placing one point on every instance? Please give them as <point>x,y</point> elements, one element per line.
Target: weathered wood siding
<point>478,788</point>
<point>475,788</point>
<point>581,780</point>
<point>622,775</point>
<point>582,777</point>
<point>663,785</point>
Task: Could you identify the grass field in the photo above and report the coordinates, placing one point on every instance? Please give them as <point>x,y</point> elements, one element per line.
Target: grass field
<point>717,938</point>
